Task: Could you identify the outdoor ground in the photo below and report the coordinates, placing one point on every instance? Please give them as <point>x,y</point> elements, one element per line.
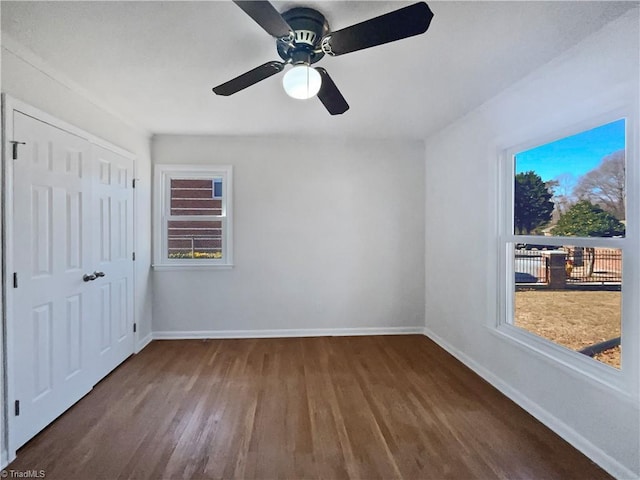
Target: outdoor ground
<point>573,318</point>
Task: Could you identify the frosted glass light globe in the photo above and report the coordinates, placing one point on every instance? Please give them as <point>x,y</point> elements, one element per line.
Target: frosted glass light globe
<point>302,82</point>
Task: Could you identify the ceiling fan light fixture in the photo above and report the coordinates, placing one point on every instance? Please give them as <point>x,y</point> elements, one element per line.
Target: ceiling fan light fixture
<point>302,82</point>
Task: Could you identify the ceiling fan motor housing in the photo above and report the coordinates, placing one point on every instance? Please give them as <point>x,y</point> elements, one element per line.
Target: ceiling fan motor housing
<point>309,27</point>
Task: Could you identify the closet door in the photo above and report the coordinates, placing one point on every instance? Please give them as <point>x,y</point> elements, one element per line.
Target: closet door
<point>72,244</point>
<point>52,337</point>
<point>112,194</point>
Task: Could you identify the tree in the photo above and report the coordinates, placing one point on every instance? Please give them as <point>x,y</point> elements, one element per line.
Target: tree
<point>562,187</point>
<point>604,185</point>
<point>584,219</point>
<point>532,203</point>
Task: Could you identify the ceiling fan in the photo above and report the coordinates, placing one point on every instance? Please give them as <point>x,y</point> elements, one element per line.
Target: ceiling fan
<point>303,37</point>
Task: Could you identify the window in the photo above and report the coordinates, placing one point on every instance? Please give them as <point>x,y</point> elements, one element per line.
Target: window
<point>193,216</point>
<point>565,245</point>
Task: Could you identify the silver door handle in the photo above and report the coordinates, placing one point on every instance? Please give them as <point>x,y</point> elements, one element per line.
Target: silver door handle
<point>98,274</point>
<point>88,277</point>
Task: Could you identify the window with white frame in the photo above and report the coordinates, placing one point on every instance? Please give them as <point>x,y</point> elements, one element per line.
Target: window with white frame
<point>193,221</point>
<point>565,247</point>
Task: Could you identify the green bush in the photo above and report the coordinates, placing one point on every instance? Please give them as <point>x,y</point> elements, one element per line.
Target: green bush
<point>584,219</point>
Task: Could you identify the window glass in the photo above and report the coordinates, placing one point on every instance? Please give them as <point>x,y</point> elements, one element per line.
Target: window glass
<point>196,197</point>
<point>574,186</point>
<point>194,239</point>
<point>571,296</point>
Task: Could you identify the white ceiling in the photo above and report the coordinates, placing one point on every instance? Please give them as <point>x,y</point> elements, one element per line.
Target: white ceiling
<point>156,62</point>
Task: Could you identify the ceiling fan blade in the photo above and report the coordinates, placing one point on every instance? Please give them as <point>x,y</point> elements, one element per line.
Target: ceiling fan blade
<point>330,96</point>
<point>247,79</point>
<point>396,25</point>
<point>265,15</point>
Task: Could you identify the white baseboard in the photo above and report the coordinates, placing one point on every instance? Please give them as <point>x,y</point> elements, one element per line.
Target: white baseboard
<point>143,342</point>
<point>284,333</point>
<point>604,460</point>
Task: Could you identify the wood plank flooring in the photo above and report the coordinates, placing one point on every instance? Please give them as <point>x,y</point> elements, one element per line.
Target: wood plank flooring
<point>299,408</point>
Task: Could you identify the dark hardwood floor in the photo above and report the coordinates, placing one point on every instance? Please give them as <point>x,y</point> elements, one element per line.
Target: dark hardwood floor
<point>299,408</point>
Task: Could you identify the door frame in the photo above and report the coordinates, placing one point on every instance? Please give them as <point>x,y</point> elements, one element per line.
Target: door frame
<point>7,375</point>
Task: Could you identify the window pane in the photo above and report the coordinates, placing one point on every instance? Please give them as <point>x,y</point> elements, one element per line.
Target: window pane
<point>194,239</point>
<point>571,296</point>
<point>195,197</point>
<point>574,186</point>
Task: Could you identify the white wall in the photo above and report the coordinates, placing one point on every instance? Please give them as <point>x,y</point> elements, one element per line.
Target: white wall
<point>28,80</point>
<point>328,235</point>
<point>596,76</point>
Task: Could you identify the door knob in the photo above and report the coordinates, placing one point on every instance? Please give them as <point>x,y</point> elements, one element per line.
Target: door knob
<point>98,274</point>
<point>88,277</point>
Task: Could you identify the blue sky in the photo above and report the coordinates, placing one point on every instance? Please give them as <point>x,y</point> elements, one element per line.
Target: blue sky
<point>574,155</point>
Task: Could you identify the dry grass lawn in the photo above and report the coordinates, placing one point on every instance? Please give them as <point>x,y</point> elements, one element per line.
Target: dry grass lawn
<point>572,318</point>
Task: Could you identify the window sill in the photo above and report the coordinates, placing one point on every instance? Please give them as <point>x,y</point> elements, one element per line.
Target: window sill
<point>572,362</point>
<point>186,266</point>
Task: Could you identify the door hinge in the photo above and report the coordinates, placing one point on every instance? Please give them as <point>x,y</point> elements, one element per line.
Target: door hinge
<point>15,279</point>
<point>17,407</point>
<point>14,146</point>
<point>133,256</point>
<point>133,183</point>
<point>135,327</point>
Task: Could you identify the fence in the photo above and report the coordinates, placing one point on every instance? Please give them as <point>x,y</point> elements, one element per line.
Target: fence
<point>194,238</point>
<point>568,266</point>
<point>194,247</point>
<point>593,265</point>
<point>531,267</point>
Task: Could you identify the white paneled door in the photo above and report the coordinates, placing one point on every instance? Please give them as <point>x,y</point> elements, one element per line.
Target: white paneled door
<point>72,288</point>
<point>111,257</point>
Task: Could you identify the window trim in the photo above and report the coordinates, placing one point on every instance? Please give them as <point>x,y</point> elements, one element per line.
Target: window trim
<point>623,381</point>
<point>163,173</point>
